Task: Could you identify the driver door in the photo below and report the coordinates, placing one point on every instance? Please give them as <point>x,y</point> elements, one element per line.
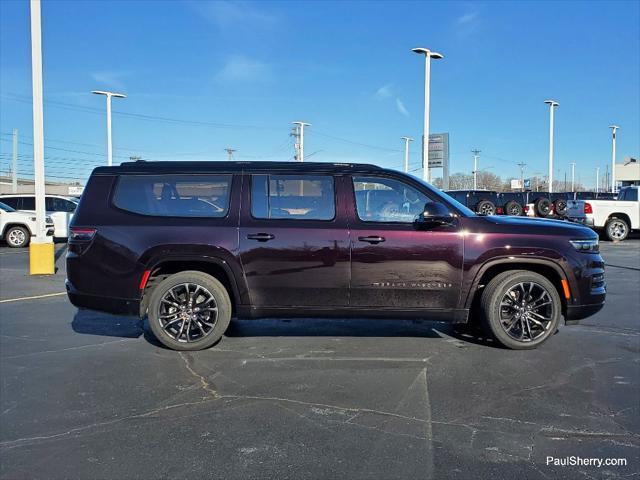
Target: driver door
<point>393,264</point>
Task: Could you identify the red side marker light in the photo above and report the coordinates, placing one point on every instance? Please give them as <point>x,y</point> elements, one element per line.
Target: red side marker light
<point>143,280</point>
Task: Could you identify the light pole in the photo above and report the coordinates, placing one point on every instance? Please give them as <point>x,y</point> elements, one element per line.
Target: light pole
<point>300,136</point>
<point>476,155</point>
<point>41,251</point>
<point>613,157</point>
<point>109,145</point>
<point>597,179</point>
<point>552,104</point>
<point>428,55</point>
<point>573,176</point>
<point>406,152</point>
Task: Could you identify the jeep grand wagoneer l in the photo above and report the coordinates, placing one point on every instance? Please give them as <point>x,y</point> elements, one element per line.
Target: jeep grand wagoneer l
<point>191,244</point>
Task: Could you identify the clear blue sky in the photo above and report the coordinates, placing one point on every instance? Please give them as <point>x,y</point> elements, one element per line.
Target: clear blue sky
<point>345,67</point>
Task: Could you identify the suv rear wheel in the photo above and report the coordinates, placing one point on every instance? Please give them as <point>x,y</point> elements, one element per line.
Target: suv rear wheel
<point>189,311</point>
<point>616,229</point>
<point>521,309</point>
<point>17,236</point>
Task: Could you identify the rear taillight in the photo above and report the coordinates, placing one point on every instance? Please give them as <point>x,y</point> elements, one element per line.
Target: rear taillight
<point>82,234</point>
<point>526,209</point>
<point>588,208</point>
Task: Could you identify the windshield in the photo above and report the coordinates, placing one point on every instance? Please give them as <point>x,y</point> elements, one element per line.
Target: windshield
<point>447,198</point>
<point>6,208</point>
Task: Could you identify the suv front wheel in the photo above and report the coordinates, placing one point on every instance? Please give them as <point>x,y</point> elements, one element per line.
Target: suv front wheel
<point>521,309</point>
<point>189,311</point>
<point>17,236</point>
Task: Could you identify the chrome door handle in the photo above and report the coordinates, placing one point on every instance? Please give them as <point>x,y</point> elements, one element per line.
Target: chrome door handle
<point>261,237</point>
<point>374,239</point>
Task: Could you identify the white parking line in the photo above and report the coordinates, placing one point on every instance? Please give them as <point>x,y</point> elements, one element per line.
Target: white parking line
<point>14,253</point>
<point>33,298</point>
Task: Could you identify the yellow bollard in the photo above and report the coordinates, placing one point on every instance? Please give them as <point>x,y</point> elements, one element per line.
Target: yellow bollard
<point>41,258</point>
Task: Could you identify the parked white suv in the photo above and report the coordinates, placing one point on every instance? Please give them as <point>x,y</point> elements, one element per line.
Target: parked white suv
<point>59,207</point>
<point>616,217</point>
<point>16,228</point>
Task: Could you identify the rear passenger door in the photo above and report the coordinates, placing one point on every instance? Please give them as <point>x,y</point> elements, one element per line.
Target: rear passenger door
<point>294,243</point>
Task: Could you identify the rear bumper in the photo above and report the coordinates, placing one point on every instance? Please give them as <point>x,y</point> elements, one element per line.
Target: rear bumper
<point>587,221</point>
<point>120,306</point>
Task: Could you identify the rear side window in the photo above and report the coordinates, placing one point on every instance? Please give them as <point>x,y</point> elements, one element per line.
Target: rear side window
<point>174,195</point>
<point>305,197</point>
<point>28,203</point>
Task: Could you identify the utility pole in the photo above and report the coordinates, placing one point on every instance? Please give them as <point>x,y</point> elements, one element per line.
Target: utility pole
<point>606,179</point>
<point>300,139</point>
<point>406,152</point>
<point>14,166</point>
<point>476,155</point>
<point>573,176</point>
<point>552,105</point>
<point>522,165</point>
<point>230,152</point>
<point>613,157</point>
<point>597,179</point>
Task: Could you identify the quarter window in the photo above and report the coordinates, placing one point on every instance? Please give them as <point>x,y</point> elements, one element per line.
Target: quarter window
<point>305,197</point>
<point>387,200</point>
<point>174,195</point>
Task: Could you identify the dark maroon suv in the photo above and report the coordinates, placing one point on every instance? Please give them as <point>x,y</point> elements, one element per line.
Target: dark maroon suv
<point>191,244</point>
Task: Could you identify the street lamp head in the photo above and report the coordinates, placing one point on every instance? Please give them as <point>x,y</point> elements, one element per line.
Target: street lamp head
<point>426,51</point>
<point>302,123</point>
<point>408,139</point>
<point>109,94</point>
<point>614,127</point>
<point>552,103</point>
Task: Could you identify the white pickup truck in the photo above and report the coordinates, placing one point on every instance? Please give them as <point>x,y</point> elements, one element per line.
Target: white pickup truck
<point>616,217</point>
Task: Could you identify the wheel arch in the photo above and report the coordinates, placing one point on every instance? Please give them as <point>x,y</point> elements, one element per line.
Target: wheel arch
<point>489,270</point>
<point>16,224</point>
<point>621,216</point>
<point>218,268</point>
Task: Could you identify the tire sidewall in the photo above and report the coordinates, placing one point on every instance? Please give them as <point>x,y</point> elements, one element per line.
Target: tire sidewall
<point>610,225</point>
<point>216,289</point>
<point>492,316</point>
<point>21,229</point>
<point>512,204</point>
<point>540,210</point>
<point>487,203</point>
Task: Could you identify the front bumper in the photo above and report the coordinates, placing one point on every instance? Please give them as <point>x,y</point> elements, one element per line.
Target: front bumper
<point>575,313</point>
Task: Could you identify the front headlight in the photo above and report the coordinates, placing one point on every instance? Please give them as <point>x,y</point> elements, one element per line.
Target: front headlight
<point>586,246</point>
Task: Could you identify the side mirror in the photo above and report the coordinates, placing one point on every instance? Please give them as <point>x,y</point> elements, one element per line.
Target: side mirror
<point>435,213</point>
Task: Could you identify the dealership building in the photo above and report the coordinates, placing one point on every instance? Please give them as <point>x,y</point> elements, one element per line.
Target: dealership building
<point>628,173</point>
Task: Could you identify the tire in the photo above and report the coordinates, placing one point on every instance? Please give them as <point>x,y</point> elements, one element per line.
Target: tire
<point>486,207</point>
<point>513,208</point>
<point>542,207</point>
<point>528,331</point>
<point>616,229</point>
<point>17,236</point>
<point>179,324</point>
<point>560,207</point>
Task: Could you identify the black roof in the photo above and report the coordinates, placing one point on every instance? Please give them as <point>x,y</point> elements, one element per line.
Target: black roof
<point>206,167</point>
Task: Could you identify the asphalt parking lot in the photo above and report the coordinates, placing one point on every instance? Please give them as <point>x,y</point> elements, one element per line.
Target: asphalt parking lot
<point>88,395</point>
